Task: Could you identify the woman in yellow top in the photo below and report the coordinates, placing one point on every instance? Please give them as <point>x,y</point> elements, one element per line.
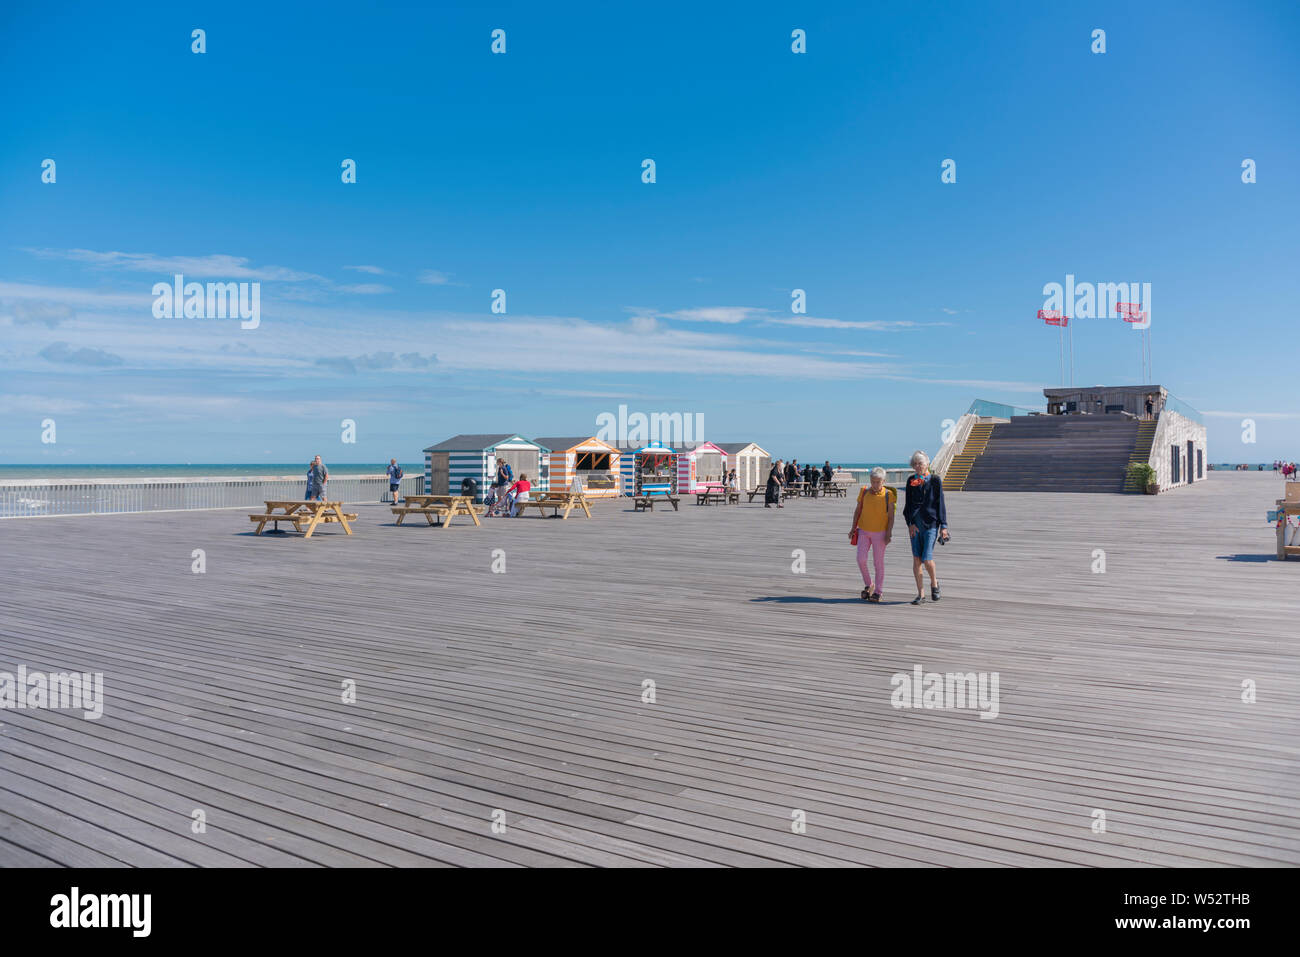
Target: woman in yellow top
<point>873,529</point>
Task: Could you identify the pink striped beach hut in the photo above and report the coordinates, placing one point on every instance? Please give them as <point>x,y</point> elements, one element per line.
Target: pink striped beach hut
<point>701,466</point>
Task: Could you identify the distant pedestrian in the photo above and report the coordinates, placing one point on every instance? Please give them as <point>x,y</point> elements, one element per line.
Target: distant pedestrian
<point>395,474</point>
<point>319,476</point>
<point>927,520</point>
<point>1151,405</point>
<point>827,474</point>
<point>873,529</point>
<point>772,495</point>
<point>310,485</point>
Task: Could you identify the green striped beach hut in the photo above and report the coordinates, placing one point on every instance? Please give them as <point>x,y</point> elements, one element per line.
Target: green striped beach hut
<point>449,463</point>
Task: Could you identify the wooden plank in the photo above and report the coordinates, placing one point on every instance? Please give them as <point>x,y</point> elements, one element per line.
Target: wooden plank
<point>1120,691</point>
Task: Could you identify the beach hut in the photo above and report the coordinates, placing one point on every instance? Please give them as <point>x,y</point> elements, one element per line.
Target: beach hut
<point>449,463</point>
<point>701,466</point>
<point>652,468</point>
<point>589,461</point>
<point>751,462</point>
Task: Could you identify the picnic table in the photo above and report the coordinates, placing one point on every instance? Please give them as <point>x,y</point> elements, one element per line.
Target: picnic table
<point>646,501</point>
<point>838,489</point>
<point>300,514</point>
<point>782,492</point>
<point>442,506</point>
<point>556,501</point>
<point>716,494</point>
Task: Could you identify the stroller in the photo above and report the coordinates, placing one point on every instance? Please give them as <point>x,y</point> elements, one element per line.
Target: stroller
<point>498,502</point>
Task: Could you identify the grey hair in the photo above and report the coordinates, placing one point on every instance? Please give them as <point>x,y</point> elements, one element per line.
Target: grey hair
<point>878,472</point>
<point>919,456</point>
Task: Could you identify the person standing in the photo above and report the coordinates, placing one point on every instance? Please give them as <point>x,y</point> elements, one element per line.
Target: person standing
<point>310,485</point>
<point>395,474</point>
<point>504,476</point>
<point>927,520</point>
<point>827,474</point>
<point>772,496</point>
<point>319,476</point>
<point>873,529</point>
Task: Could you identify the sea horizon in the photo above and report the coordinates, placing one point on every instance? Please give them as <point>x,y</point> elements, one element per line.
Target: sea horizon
<point>100,471</point>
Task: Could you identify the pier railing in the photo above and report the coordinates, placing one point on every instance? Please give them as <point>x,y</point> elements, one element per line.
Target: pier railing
<point>998,410</point>
<point>1175,404</point>
<point>33,497</point>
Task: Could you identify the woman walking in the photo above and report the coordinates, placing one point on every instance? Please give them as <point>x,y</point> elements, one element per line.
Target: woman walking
<point>873,529</point>
<point>772,495</point>
<point>927,520</point>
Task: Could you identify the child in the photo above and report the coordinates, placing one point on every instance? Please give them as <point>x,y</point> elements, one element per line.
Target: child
<point>873,528</point>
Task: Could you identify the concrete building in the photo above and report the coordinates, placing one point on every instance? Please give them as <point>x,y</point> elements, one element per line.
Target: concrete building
<point>1084,442</point>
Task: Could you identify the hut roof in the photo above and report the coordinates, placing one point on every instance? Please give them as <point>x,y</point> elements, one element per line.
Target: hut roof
<point>461,443</point>
<point>731,448</point>
<point>559,444</point>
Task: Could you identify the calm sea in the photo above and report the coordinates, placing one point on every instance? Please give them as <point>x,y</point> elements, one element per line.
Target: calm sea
<point>18,473</point>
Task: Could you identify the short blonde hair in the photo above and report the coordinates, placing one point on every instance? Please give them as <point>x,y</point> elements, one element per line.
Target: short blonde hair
<point>878,472</point>
<point>919,456</point>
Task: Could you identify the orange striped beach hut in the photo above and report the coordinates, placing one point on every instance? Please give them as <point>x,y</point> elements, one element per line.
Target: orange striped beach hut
<point>588,461</point>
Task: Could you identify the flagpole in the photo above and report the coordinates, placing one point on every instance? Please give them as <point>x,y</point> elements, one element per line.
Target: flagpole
<point>1060,339</point>
<point>1071,357</point>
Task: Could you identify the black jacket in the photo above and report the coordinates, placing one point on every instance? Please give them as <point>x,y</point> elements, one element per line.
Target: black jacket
<point>924,504</point>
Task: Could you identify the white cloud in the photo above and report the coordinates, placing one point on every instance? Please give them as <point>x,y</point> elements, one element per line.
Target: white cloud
<point>724,314</point>
<point>874,325</point>
<point>373,270</point>
<point>366,289</point>
<point>434,277</point>
<point>220,265</point>
<point>1254,415</point>
<point>850,352</point>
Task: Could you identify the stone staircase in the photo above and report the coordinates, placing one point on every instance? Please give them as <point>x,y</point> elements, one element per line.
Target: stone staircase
<point>955,478</point>
<point>1051,453</point>
<point>1141,451</point>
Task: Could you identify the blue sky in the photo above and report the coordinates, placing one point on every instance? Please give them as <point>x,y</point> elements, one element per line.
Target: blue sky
<point>522,172</point>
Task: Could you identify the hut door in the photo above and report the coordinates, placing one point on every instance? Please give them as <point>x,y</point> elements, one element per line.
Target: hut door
<point>522,461</point>
<point>439,463</point>
<point>708,467</point>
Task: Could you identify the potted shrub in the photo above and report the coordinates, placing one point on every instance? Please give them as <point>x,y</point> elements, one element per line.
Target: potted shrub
<point>1143,476</point>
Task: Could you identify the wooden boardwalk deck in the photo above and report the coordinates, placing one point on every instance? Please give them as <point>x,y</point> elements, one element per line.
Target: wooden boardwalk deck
<point>522,691</point>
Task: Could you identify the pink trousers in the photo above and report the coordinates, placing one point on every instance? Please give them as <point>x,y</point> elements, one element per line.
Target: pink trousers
<point>872,541</point>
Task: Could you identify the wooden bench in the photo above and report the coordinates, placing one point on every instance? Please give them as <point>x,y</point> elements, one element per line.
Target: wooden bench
<point>838,489</point>
<point>1287,542</point>
<point>442,506</point>
<point>309,514</point>
<point>716,495</point>
<point>557,502</point>
<point>646,503</point>
<point>782,492</point>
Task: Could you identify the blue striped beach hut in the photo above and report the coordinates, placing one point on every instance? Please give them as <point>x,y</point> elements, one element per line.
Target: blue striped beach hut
<point>449,463</point>
<point>650,469</point>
